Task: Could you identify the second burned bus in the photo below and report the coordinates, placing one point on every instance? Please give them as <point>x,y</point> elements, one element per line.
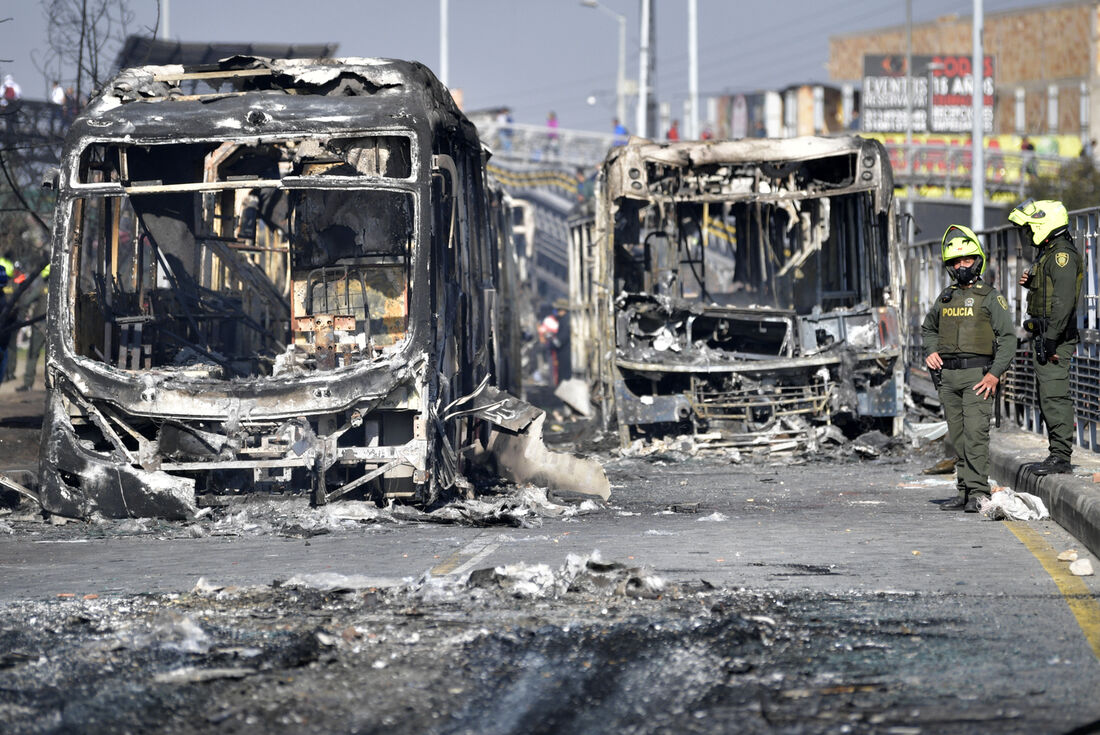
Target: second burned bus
<point>746,290</point>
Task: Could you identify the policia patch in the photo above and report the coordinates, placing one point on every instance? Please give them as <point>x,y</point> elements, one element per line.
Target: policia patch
<point>1062,259</point>
<point>1002,302</point>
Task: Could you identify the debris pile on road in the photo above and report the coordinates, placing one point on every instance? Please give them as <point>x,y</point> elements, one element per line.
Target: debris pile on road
<point>1005,504</point>
<point>257,515</point>
<point>523,508</point>
<point>343,657</point>
<point>589,574</point>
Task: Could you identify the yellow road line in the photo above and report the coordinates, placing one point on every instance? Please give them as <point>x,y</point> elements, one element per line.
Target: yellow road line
<point>1081,602</point>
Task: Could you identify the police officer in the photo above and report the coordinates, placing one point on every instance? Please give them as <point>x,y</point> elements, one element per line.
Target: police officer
<point>36,299</point>
<point>7,334</point>
<point>969,341</point>
<point>3,305</point>
<point>1054,286</point>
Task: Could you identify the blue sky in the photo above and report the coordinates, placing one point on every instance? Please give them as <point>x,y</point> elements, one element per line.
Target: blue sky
<point>532,55</point>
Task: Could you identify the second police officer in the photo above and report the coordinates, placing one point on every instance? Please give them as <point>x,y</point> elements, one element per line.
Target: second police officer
<point>1054,286</point>
<point>969,342</point>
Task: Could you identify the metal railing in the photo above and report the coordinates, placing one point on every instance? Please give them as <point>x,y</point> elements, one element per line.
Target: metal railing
<point>943,171</point>
<point>1018,399</point>
<point>539,144</point>
<point>935,171</point>
<point>33,129</point>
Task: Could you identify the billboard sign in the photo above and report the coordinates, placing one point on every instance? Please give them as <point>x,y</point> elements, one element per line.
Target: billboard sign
<point>940,90</point>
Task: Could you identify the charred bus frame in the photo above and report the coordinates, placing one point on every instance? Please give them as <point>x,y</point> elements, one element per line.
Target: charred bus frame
<point>744,291</point>
<point>267,274</point>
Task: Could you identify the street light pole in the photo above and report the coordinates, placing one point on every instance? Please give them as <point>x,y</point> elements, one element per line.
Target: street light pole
<point>620,80</point>
<point>444,71</point>
<point>693,68</point>
<point>977,130</point>
<point>643,73</point>
<point>909,115</point>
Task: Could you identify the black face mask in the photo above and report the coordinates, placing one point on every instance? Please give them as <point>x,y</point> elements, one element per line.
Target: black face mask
<point>1025,234</point>
<point>967,274</point>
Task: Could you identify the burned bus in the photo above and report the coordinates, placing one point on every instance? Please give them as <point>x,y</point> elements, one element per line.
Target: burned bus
<point>274,274</point>
<point>743,291</point>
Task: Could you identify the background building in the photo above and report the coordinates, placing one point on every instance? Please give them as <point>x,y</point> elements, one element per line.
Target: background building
<point>1044,62</point>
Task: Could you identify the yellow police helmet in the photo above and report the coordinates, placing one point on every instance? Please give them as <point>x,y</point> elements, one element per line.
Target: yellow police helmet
<point>1044,218</point>
<point>959,242</point>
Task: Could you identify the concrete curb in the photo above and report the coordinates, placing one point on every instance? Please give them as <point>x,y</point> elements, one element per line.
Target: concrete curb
<point>1073,500</point>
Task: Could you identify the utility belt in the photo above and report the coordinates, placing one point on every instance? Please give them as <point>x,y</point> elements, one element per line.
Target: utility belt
<point>1036,326</point>
<point>963,363</point>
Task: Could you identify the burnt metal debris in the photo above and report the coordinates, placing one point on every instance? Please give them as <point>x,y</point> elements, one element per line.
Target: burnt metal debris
<point>741,291</point>
<point>273,274</point>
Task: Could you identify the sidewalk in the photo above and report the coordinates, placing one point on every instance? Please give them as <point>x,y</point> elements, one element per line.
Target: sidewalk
<point>21,424</point>
<point>1073,500</point>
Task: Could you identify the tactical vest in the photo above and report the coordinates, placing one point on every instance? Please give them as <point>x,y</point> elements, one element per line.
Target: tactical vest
<point>964,325</point>
<point>1040,299</point>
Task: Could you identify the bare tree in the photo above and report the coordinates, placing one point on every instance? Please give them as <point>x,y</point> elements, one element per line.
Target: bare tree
<point>82,37</point>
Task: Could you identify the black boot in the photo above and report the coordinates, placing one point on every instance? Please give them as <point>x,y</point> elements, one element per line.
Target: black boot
<point>956,503</point>
<point>1053,465</point>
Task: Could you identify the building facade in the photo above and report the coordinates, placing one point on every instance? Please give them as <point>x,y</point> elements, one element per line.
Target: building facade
<point>1045,77</point>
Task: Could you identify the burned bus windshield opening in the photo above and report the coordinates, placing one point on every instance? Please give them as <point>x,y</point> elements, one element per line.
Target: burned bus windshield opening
<point>242,282</point>
<point>788,253</point>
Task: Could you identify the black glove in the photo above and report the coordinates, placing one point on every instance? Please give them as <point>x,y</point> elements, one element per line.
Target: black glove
<point>1050,346</point>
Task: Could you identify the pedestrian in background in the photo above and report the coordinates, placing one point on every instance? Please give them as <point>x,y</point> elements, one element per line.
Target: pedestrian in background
<point>10,91</point>
<point>504,129</point>
<point>548,336</point>
<point>8,332</point>
<point>4,280</point>
<point>57,112</point>
<point>1053,286</point>
<point>35,312</point>
<point>969,342</point>
<point>673,131</point>
<point>552,142</point>
<point>1027,154</point>
<point>620,132</point>
<point>10,94</point>
<point>72,106</point>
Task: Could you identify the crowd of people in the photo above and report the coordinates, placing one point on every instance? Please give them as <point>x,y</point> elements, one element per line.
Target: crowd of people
<point>63,101</point>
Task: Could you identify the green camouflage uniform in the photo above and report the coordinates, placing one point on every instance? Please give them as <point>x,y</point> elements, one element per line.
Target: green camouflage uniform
<point>967,323</point>
<point>1053,292</point>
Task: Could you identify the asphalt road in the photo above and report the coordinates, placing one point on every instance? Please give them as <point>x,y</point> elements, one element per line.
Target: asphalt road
<point>828,526</point>
<point>987,617</point>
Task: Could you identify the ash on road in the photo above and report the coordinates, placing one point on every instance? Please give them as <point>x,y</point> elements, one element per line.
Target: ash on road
<point>779,596</point>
